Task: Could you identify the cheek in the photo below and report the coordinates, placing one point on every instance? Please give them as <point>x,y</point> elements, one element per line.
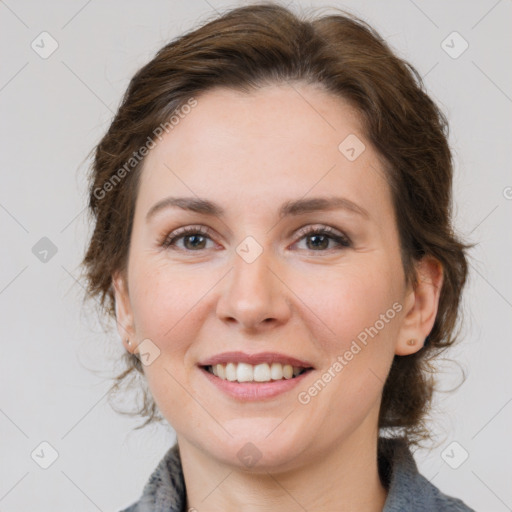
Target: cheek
<point>350,300</point>
<point>163,304</point>
<point>166,306</point>
<point>360,313</point>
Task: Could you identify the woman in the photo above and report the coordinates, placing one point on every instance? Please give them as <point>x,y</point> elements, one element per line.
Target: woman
<point>273,236</point>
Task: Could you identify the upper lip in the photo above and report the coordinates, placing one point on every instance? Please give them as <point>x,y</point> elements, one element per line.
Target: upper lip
<point>253,359</point>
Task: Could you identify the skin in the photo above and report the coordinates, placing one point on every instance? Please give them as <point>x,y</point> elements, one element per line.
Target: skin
<point>250,153</point>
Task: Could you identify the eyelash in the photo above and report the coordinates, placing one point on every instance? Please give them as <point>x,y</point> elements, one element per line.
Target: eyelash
<point>343,241</point>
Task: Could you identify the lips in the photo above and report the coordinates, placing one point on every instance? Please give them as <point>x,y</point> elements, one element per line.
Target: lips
<point>253,377</point>
<point>254,391</point>
<point>254,359</point>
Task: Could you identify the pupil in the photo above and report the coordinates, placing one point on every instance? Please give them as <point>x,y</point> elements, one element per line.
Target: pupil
<point>194,237</point>
<point>324,245</point>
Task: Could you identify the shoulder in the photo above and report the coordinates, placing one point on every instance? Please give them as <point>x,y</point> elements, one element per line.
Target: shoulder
<point>407,488</point>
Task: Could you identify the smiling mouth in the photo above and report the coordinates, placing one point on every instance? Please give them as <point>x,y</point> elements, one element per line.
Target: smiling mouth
<point>247,373</point>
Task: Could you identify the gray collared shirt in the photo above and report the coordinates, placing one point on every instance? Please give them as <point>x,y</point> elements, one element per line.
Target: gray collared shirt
<point>408,490</point>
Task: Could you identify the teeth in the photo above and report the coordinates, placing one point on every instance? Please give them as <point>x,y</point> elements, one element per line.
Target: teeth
<point>221,371</point>
<point>262,373</point>
<point>243,372</point>
<point>230,371</point>
<point>276,371</point>
<point>287,371</point>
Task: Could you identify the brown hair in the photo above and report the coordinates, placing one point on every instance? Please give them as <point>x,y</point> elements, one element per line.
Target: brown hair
<point>264,43</point>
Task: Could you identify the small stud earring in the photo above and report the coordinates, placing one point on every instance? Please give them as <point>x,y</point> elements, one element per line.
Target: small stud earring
<point>129,343</point>
<point>411,342</point>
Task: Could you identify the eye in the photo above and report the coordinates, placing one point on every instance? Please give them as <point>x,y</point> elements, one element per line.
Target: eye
<point>194,238</point>
<point>321,236</point>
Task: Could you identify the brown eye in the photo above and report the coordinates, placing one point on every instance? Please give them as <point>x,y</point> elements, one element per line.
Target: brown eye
<point>319,238</point>
<point>319,241</point>
<point>194,239</point>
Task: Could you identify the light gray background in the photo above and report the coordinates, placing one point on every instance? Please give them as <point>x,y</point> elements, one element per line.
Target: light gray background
<point>52,113</point>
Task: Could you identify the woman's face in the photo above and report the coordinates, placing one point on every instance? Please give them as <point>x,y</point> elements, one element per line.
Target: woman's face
<point>252,281</point>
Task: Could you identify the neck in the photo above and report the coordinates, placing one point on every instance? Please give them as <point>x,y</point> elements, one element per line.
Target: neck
<point>343,479</point>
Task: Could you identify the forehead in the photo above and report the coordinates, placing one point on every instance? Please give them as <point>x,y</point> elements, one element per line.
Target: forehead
<point>279,141</point>
<point>286,116</point>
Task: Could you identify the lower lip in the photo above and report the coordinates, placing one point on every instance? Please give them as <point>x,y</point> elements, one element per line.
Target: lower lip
<point>253,391</point>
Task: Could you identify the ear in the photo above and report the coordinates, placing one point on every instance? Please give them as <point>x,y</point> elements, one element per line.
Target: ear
<point>421,305</point>
<point>124,315</point>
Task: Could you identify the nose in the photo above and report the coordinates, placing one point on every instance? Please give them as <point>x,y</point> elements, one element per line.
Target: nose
<point>255,296</point>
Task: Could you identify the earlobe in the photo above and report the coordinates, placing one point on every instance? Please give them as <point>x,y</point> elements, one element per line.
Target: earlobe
<point>124,316</point>
<point>423,304</point>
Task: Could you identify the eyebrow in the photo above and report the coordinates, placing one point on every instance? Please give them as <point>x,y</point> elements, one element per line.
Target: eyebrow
<point>289,208</point>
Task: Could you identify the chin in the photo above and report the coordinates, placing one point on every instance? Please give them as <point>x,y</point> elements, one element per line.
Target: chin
<point>257,450</point>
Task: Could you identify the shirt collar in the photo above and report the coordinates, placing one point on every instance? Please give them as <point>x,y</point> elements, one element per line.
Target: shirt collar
<point>407,488</point>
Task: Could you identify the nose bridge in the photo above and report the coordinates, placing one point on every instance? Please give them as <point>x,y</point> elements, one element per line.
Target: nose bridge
<point>253,294</point>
